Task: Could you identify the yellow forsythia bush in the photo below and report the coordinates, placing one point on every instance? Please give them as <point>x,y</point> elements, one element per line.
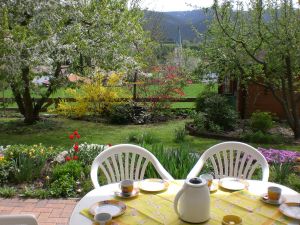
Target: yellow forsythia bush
<point>93,98</point>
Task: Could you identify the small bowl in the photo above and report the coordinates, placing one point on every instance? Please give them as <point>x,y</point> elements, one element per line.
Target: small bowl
<point>231,220</point>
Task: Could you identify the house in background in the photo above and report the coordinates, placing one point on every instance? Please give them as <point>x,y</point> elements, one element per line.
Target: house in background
<point>74,78</point>
<point>255,98</point>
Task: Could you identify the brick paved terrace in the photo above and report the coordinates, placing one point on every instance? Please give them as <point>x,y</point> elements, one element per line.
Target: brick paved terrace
<point>47,212</point>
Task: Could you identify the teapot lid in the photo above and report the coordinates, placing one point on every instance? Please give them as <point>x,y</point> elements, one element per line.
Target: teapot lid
<point>195,182</point>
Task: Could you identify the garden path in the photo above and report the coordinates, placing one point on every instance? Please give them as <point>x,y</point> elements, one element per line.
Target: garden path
<point>47,212</point>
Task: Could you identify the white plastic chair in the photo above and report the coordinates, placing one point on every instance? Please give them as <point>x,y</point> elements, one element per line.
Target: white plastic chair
<point>125,161</point>
<point>18,220</point>
<point>232,159</point>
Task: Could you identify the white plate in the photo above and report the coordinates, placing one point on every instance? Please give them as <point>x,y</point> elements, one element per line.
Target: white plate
<point>153,185</point>
<point>113,207</point>
<point>233,184</point>
<point>291,210</point>
<point>265,199</point>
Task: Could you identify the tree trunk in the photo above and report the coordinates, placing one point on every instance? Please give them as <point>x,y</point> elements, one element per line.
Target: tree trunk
<point>27,107</point>
<point>134,85</point>
<point>297,132</point>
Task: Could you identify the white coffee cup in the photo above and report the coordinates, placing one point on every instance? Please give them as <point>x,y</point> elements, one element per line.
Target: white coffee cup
<point>103,218</point>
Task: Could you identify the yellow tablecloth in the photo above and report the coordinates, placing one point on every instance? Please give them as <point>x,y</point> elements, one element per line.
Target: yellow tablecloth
<point>150,209</point>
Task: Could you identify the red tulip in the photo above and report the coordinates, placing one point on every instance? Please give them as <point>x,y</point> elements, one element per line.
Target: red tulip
<point>68,158</point>
<point>76,148</point>
<point>75,132</point>
<point>78,136</point>
<point>71,136</point>
<point>75,157</point>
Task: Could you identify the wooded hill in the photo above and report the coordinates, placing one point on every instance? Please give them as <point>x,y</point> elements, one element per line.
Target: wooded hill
<point>164,25</point>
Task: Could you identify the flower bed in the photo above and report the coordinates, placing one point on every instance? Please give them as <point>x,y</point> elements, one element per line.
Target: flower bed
<point>279,156</point>
<point>41,172</point>
<point>38,171</point>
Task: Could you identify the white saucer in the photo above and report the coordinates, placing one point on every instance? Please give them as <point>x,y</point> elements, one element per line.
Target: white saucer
<point>291,209</point>
<point>113,207</point>
<point>153,185</point>
<point>135,192</point>
<point>233,184</point>
<point>265,199</point>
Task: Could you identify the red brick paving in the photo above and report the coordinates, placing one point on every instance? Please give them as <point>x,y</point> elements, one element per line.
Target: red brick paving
<point>47,212</point>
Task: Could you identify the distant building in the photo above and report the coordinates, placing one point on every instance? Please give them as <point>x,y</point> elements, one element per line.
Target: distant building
<point>252,98</point>
<point>74,78</point>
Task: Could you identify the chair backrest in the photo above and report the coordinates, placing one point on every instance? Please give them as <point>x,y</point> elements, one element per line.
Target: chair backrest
<point>232,159</point>
<point>18,220</point>
<point>125,161</point>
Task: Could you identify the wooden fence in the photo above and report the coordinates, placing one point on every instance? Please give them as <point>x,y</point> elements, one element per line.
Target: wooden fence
<point>55,101</point>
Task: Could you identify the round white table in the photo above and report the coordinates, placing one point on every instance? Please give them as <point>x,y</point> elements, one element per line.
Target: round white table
<point>107,192</point>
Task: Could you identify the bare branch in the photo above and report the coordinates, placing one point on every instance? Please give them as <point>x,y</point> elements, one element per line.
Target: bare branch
<point>244,45</point>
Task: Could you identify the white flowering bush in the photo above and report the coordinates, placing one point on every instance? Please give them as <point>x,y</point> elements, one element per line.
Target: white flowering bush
<point>88,152</point>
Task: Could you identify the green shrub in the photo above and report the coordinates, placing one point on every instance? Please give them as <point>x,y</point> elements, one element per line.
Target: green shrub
<point>177,161</point>
<point>180,135</point>
<point>71,168</point>
<point>199,121</point>
<point>27,160</point>
<point>87,186</point>
<point>294,181</point>
<point>219,114</point>
<point>27,168</point>
<point>121,114</point>
<point>133,137</point>
<point>144,138</point>
<point>262,138</point>
<point>13,152</point>
<point>261,121</point>
<point>200,100</point>
<point>279,172</point>
<point>7,192</point>
<point>31,192</point>
<point>148,138</point>
<point>6,169</point>
<point>212,126</point>
<point>65,186</point>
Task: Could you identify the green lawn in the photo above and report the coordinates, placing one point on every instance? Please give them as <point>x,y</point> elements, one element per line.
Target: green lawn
<point>54,132</point>
<point>192,91</point>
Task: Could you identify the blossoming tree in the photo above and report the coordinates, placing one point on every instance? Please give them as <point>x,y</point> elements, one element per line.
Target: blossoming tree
<point>258,43</point>
<point>38,37</point>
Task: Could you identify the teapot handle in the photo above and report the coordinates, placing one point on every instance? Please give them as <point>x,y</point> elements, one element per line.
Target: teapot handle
<point>177,198</point>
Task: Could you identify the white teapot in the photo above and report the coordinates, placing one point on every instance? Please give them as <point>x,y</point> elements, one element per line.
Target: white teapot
<point>192,202</point>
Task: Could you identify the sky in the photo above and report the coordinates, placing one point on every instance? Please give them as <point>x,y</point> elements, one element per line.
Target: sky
<point>174,5</point>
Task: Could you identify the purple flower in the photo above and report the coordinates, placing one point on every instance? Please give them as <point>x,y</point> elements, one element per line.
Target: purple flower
<point>279,156</point>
